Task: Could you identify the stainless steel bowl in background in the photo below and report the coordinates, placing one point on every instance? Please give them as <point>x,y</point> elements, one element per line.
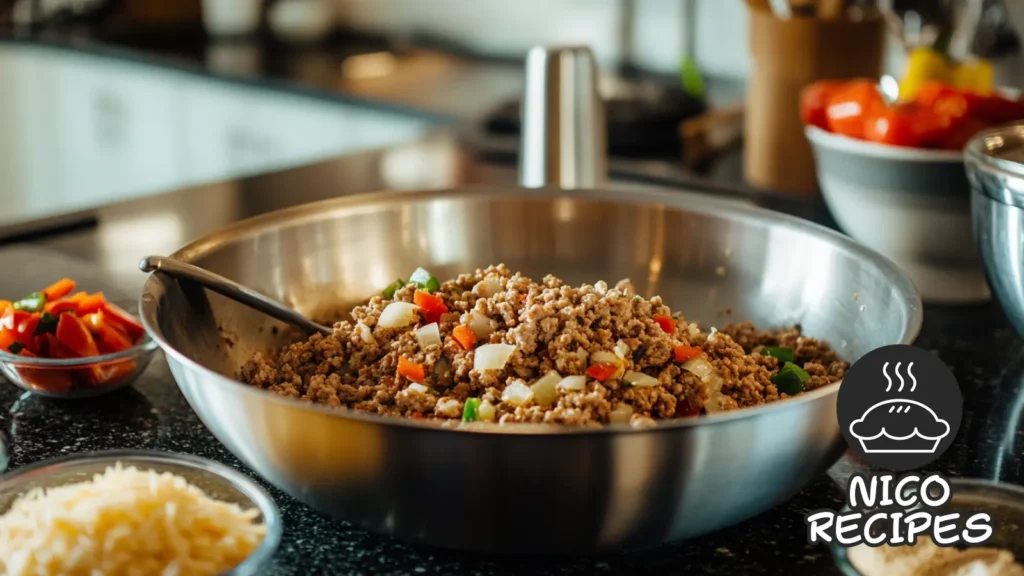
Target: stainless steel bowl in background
<point>995,166</point>
<point>526,488</point>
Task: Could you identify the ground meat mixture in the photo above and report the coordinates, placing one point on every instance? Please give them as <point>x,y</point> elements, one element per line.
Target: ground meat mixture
<point>638,362</point>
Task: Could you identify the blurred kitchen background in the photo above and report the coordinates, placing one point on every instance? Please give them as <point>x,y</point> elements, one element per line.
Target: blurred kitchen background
<point>103,101</point>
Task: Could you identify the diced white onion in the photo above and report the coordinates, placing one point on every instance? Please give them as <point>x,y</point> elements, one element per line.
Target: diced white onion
<point>365,333</point>
<point>693,330</point>
<point>544,391</point>
<point>621,350</point>
<point>486,412</point>
<point>487,287</point>
<point>643,422</point>
<point>573,383</point>
<point>428,335</point>
<point>703,369</point>
<point>397,315</point>
<point>492,356</point>
<point>700,367</point>
<point>603,357</point>
<point>517,393</point>
<point>582,354</point>
<point>640,380</point>
<point>416,387</point>
<point>480,325</point>
<point>621,414</point>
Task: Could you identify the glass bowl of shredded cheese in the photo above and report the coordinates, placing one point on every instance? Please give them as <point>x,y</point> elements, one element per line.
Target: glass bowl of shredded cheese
<point>134,512</point>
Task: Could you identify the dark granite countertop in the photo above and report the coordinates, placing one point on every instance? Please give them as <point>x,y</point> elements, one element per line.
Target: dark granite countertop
<point>976,342</point>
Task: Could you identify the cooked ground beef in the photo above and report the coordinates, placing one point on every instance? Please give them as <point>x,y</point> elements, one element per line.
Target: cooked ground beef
<point>553,327</point>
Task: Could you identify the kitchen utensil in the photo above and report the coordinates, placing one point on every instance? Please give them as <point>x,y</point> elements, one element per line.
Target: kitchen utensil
<point>1003,502</point>
<point>233,290</point>
<point>913,205</point>
<point>216,480</point>
<point>533,488</point>
<point>995,166</point>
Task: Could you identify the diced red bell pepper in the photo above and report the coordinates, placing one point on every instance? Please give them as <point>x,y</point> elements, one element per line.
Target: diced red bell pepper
<point>7,329</point>
<point>908,125</point>
<point>684,411</point>
<point>110,339</point>
<point>667,323</point>
<point>431,306</point>
<point>5,305</point>
<point>464,336</point>
<point>602,372</point>
<point>25,324</point>
<point>59,289</point>
<point>45,379</point>
<point>684,353</point>
<point>91,303</point>
<point>55,349</point>
<point>61,306</point>
<point>411,370</point>
<point>110,372</point>
<point>126,322</point>
<point>72,333</point>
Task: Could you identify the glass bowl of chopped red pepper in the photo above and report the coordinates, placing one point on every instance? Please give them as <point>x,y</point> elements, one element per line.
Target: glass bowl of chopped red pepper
<point>64,343</point>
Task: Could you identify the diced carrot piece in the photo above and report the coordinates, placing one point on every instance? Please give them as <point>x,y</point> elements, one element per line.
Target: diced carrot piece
<point>61,306</point>
<point>411,370</point>
<point>126,322</point>
<point>431,306</point>
<point>7,329</point>
<point>59,289</point>
<point>72,333</point>
<point>5,305</point>
<point>602,372</point>
<point>91,303</point>
<point>667,323</point>
<point>465,337</point>
<point>684,353</point>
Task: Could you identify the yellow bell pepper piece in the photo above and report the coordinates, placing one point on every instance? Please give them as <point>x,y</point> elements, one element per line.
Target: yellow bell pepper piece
<point>976,76</point>
<point>923,65</point>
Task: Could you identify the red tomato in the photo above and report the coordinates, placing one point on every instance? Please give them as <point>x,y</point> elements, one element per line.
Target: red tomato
<point>957,136</point>
<point>905,125</point>
<point>849,107</point>
<point>814,100</point>
<point>998,109</point>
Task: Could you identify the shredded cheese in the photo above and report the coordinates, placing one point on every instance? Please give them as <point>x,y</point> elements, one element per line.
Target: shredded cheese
<point>125,521</point>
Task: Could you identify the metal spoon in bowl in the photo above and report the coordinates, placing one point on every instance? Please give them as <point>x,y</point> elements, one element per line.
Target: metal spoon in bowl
<point>232,290</point>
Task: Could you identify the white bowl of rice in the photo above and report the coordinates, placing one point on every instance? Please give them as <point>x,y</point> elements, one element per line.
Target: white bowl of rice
<point>138,512</point>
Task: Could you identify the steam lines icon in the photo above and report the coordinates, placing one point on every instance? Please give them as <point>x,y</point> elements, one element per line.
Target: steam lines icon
<point>899,425</point>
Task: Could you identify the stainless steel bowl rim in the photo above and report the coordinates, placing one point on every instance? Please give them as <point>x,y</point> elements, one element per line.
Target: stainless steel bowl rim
<point>980,159</point>
<point>259,497</point>
<point>147,346</point>
<point>689,201</point>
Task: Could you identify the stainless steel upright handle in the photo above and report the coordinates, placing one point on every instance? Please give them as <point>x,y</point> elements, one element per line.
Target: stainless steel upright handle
<point>563,142</point>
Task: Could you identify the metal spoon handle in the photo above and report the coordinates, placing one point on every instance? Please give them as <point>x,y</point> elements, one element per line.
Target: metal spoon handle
<point>232,290</point>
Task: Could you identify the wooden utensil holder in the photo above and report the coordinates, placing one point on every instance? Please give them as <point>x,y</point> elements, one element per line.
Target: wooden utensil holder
<point>788,55</point>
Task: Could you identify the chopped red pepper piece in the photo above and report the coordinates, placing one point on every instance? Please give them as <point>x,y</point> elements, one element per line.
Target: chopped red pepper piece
<point>5,305</point>
<point>7,329</point>
<point>684,353</point>
<point>411,370</point>
<point>684,411</point>
<point>602,372</point>
<point>59,289</point>
<point>125,321</point>
<point>431,306</point>
<point>91,303</point>
<point>110,339</point>
<point>465,337</point>
<point>25,327</point>
<point>667,323</point>
<point>55,349</point>
<point>72,333</point>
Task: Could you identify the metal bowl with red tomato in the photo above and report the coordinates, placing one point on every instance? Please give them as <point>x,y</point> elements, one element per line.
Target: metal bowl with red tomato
<point>893,176</point>
<point>64,343</point>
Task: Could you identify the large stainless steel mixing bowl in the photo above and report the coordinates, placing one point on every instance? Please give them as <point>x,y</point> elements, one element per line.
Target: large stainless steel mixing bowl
<point>995,165</point>
<point>557,492</point>
<point>532,489</point>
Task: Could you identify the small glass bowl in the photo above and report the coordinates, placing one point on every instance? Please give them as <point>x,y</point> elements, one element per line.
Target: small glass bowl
<point>216,480</point>
<point>1002,501</point>
<point>78,377</point>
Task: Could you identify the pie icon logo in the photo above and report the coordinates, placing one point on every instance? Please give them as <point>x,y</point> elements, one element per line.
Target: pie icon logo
<point>899,407</point>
